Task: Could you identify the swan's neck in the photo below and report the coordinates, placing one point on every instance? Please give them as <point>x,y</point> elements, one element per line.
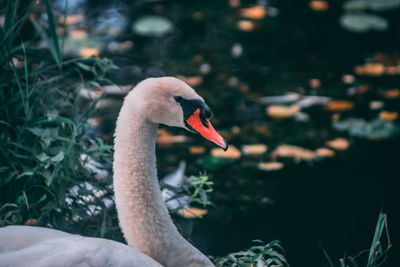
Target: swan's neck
<point>143,217</point>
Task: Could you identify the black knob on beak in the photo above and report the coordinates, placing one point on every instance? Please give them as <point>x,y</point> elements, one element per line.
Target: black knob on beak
<point>205,110</point>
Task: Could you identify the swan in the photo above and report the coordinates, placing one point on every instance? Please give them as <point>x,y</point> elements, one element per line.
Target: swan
<point>152,238</point>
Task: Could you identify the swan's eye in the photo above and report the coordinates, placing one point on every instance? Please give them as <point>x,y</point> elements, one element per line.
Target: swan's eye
<point>178,99</point>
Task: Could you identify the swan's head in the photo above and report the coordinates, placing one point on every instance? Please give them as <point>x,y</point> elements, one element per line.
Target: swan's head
<point>172,102</point>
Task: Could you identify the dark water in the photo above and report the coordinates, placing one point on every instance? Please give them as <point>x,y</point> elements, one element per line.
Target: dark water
<point>335,201</point>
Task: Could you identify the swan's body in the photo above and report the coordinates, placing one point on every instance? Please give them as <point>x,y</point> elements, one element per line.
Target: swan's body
<point>26,246</point>
<point>143,217</point>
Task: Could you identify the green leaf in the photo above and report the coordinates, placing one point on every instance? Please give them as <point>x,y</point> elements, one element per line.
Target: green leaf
<point>27,173</point>
<point>83,66</point>
<point>353,263</point>
<point>43,198</point>
<point>377,236</point>
<point>42,157</point>
<point>57,158</point>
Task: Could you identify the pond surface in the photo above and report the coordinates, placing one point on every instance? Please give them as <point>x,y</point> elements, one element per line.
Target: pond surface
<point>235,59</point>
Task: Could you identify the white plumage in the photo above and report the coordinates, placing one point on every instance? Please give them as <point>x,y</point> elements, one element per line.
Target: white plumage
<point>28,246</point>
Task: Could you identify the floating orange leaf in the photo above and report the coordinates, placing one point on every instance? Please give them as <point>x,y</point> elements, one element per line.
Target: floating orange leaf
<point>255,12</point>
<point>231,153</point>
<point>166,138</point>
<point>254,150</point>
<point>169,140</point>
<point>338,144</point>
<point>270,166</point>
<point>348,79</point>
<point>335,117</point>
<point>392,70</point>
<point>319,5</point>
<point>71,19</point>
<point>246,25</point>
<point>163,132</point>
<point>325,152</point>
<point>280,112</point>
<point>391,93</point>
<point>198,59</point>
<point>339,105</point>
<point>31,222</point>
<point>192,81</point>
<point>191,213</point>
<point>198,15</point>
<point>197,150</point>
<point>388,116</point>
<point>288,151</point>
<point>376,105</point>
<point>88,52</point>
<point>370,69</point>
<point>314,83</point>
<point>234,3</point>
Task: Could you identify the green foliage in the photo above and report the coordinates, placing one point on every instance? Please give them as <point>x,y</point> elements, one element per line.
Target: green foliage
<point>198,187</point>
<point>41,138</point>
<point>261,255</point>
<point>376,254</point>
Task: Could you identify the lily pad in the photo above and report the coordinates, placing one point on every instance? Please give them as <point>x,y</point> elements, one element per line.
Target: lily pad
<point>375,129</point>
<point>377,5</point>
<point>361,22</point>
<point>152,26</point>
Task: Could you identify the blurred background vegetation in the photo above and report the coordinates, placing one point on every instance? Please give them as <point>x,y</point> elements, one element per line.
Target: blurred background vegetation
<point>306,92</point>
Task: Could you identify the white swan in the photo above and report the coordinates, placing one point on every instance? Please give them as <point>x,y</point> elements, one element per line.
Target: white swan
<point>152,237</point>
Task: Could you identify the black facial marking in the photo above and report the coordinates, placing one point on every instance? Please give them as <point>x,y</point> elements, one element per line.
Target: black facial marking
<point>189,106</point>
<point>178,99</point>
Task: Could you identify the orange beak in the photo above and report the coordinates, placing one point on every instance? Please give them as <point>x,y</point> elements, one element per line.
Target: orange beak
<point>205,129</point>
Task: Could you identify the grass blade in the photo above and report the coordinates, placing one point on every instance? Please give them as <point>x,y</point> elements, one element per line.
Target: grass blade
<point>377,236</point>
<point>64,26</point>
<point>53,33</point>
<point>352,262</point>
<point>327,256</point>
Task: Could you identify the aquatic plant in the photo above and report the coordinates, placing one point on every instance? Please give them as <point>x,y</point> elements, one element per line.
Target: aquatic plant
<point>377,253</point>
<point>260,255</point>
